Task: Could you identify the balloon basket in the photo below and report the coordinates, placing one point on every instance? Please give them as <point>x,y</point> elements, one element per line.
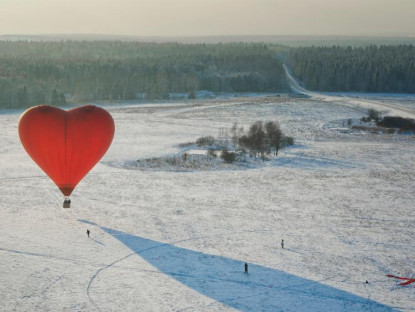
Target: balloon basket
<point>67,203</point>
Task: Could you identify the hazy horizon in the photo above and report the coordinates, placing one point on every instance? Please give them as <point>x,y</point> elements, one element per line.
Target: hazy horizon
<point>181,18</point>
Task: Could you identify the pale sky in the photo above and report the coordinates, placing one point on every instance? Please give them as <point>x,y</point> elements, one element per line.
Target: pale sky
<point>208,17</point>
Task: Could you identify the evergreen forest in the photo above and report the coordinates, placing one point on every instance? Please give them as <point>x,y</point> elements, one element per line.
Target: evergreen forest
<point>54,73</point>
<point>358,69</point>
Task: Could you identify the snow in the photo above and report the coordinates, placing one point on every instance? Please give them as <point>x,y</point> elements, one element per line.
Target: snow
<point>176,241</point>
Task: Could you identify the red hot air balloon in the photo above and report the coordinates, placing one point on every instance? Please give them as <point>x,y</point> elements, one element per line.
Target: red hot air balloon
<point>66,145</point>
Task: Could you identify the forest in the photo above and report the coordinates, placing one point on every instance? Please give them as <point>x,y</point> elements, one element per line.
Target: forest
<point>358,69</point>
<point>63,72</point>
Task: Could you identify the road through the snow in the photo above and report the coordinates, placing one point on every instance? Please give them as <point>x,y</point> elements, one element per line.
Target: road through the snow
<point>364,101</point>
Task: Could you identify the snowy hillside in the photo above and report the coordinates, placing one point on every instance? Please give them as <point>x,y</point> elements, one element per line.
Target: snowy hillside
<point>178,241</point>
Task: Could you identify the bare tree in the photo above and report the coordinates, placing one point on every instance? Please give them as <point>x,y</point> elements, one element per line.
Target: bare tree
<point>234,133</point>
<point>273,135</point>
<point>257,137</point>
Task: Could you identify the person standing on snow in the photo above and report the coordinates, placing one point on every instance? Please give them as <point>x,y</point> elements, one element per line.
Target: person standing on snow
<point>87,232</point>
<point>246,268</point>
<point>282,244</point>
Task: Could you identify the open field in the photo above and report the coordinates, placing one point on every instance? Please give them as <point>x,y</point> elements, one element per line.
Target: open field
<point>177,241</point>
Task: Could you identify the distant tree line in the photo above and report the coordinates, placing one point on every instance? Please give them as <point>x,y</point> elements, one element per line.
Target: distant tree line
<point>56,72</point>
<point>362,69</point>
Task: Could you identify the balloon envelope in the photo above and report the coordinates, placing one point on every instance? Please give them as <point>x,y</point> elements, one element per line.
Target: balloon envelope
<point>66,145</point>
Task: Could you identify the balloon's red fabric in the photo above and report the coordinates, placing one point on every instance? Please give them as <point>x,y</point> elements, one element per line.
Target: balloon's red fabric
<point>66,144</point>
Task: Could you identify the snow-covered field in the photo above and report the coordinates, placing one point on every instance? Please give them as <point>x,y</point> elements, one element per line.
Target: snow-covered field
<point>178,241</point>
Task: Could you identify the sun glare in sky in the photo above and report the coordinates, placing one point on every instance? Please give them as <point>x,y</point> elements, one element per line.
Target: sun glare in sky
<point>208,17</point>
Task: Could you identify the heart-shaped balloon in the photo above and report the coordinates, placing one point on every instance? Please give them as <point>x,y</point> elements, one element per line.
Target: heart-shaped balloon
<point>66,145</point>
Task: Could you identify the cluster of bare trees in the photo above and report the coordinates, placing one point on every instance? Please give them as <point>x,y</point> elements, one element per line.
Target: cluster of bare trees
<point>261,138</point>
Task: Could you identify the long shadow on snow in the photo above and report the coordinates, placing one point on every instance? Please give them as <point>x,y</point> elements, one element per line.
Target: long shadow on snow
<point>222,279</point>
